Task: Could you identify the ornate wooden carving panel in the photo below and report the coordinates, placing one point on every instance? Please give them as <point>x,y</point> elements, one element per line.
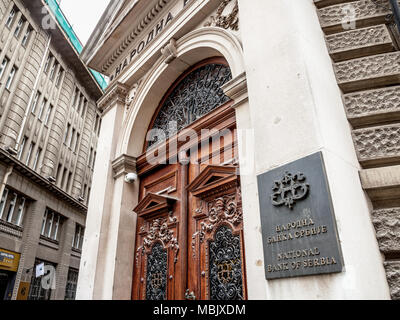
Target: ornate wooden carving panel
<point>190,222</point>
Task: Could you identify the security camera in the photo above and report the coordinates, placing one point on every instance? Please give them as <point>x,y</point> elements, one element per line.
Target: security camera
<point>131,177</point>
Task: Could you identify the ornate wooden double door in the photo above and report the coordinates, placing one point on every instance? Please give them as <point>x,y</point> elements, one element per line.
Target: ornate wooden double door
<point>189,242</point>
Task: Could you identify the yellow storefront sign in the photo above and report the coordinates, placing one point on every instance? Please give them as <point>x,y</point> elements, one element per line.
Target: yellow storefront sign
<point>9,260</point>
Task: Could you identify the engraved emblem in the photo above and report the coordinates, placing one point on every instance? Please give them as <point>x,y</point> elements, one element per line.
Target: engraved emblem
<point>290,189</point>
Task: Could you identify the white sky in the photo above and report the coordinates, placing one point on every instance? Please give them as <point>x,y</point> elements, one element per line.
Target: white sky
<point>83,15</point>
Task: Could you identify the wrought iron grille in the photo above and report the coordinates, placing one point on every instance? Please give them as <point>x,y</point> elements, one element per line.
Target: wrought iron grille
<point>195,96</point>
<point>226,279</point>
<point>156,278</point>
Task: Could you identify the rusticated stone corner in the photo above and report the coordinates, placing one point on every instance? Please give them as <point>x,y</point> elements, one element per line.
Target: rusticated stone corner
<point>360,42</point>
<point>363,10</point>
<point>378,143</point>
<point>378,105</point>
<point>382,69</point>
<point>393,277</point>
<point>387,226</point>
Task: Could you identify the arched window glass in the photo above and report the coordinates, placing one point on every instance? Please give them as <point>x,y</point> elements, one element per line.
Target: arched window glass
<point>195,96</point>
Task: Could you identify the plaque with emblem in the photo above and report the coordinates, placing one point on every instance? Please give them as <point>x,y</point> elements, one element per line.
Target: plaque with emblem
<point>299,230</point>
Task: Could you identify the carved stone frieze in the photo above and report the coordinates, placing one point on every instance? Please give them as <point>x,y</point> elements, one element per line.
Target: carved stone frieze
<point>377,143</point>
<point>366,103</point>
<point>393,277</point>
<point>360,10</point>
<point>387,226</point>
<point>224,20</point>
<point>147,19</point>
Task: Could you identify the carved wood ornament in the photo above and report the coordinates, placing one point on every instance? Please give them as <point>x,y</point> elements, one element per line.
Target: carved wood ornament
<point>219,234</point>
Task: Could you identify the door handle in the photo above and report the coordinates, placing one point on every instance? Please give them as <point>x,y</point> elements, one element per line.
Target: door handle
<point>190,295</point>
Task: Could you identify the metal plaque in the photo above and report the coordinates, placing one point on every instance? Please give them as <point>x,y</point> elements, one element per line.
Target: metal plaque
<point>298,224</point>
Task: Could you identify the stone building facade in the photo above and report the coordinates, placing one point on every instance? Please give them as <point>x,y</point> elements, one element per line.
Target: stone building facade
<point>307,76</point>
<point>49,126</point>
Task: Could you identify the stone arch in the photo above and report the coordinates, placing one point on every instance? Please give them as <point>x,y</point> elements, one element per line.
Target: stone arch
<point>194,47</point>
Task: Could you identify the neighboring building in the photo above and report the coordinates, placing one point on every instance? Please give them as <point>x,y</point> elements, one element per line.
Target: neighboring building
<point>300,77</point>
<point>49,126</point>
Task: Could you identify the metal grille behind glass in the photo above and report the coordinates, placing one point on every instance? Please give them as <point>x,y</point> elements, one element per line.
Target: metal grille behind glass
<point>37,292</point>
<point>226,282</point>
<point>195,96</point>
<point>156,280</point>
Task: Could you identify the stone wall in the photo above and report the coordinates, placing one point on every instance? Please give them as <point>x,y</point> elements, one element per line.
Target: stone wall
<point>360,40</point>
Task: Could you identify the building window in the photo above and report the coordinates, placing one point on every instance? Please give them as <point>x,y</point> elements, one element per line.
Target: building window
<point>76,142</point>
<point>21,148</point>
<point>11,77</point>
<point>37,157</point>
<point>63,178</point>
<point>51,225</point>
<point>26,36</point>
<point>53,69</point>
<point>71,140</point>
<point>28,158</point>
<point>18,28</point>
<point>78,239</point>
<point>42,106</point>
<point>46,67</point>
<point>59,76</point>
<point>67,133</point>
<point>12,207</point>
<point>35,101</point>
<point>3,66</point>
<point>79,102</point>
<point>94,159</point>
<point>10,18</point>
<point>98,131</point>
<point>72,284</point>
<point>48,114</point>
<point>69,181</point>
<point>36,291</point>
<point>84,108</point>
<point>3,202</point>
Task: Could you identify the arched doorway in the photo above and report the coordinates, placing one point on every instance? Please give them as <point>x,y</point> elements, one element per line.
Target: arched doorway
<point>189,242</point>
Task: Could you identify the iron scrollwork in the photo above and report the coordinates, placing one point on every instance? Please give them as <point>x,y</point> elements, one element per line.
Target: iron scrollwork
<point>226,281</point>
<point>195,96</point>
<point>156,278</point>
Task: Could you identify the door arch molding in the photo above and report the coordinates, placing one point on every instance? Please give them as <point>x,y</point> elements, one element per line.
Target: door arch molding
<point>194,47</point>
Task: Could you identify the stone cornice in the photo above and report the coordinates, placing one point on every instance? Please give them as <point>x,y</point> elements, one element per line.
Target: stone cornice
<point>147,19</point>
<point>237,90</point>
<point>115,94</point>
<point>123,165</point>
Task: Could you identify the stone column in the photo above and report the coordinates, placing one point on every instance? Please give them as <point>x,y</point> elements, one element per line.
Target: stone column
<point>91,276</point>
<point>30,240</point>
<point>295,109</point>
<point>119,259</point>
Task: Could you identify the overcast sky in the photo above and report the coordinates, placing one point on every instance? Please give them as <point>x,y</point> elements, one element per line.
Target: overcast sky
<point>83,15</point>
